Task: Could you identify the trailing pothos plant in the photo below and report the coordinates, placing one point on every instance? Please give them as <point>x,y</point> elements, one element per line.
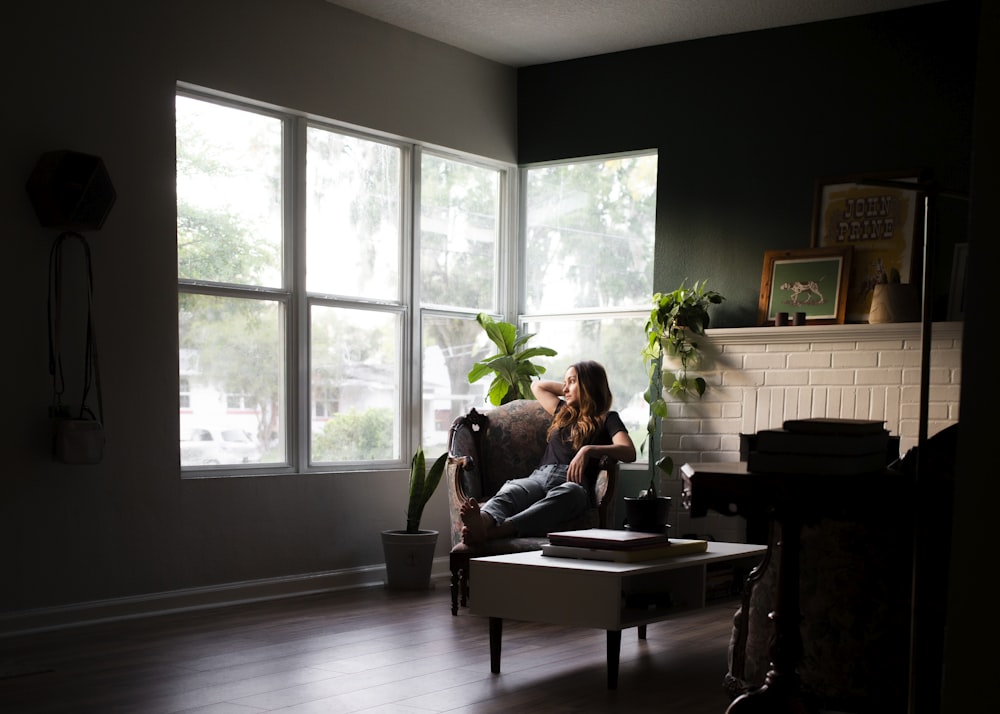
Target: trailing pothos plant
<point>678,318</point>
<point>511,366</point>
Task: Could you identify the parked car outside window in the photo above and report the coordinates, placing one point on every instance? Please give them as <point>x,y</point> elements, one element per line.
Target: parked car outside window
<point>224,445</point>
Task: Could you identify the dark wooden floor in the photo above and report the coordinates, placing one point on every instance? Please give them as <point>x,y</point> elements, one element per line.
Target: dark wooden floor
<point>361,651</point>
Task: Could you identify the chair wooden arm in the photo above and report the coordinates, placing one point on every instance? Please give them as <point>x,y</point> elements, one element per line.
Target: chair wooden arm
<point>456,468</point>
<point>604,492</point>
<point>459,463</point>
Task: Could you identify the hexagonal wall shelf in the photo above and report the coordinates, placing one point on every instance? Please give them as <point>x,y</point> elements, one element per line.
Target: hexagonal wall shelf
<point>71,191</point>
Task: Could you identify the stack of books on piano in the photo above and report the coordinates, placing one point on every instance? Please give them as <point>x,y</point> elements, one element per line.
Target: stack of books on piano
<point>618,546</point>
<point>837,447</point>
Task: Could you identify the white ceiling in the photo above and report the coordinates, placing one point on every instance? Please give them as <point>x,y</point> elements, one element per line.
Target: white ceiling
<point>527,32</point>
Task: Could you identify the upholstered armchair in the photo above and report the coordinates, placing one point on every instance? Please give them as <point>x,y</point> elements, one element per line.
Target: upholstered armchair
<point>486,449</point>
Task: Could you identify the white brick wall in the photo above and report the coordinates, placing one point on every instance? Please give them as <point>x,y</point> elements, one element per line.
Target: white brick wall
<point>759,377</point>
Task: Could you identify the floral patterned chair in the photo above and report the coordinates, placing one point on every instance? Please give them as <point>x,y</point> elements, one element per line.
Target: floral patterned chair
<point>491,447</point>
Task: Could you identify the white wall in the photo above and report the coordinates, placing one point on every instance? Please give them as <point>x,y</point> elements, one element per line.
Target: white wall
<point>99,77</point>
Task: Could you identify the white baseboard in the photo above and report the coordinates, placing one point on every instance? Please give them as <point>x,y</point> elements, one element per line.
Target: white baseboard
<point>23,622</point>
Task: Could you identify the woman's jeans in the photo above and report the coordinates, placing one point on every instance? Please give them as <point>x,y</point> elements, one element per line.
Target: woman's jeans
<point>538,503</point>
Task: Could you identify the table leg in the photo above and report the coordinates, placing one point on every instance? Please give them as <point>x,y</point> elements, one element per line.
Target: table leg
<point>496,633</point>
<point>780,692</point>
<point>614,655</point>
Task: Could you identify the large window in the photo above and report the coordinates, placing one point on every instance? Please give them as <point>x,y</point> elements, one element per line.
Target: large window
<point>298,268</point>
<point>589,233</point>
<point>329,281</point>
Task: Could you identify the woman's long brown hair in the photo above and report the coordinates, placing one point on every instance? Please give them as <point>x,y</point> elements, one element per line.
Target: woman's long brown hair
<point>593,403</point>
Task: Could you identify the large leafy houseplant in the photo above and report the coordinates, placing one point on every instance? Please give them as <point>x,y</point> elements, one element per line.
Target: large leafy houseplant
<point>511,366</point>
<point>677,319</point>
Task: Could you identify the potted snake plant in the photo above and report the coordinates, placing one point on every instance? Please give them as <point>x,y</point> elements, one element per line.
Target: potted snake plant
<point>409,553</point>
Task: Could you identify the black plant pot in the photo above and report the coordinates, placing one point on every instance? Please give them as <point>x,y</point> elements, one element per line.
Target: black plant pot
<point>409,558</point>
<point>648,515</point>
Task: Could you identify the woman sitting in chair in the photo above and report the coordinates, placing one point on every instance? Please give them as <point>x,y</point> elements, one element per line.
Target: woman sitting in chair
<point>583,430</point>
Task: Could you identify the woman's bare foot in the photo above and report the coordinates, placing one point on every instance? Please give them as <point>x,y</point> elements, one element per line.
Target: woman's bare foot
<point>474,522</point>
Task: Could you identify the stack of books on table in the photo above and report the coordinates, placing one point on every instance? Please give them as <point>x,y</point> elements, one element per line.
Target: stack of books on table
<point>618,546</point>
<point>837,447</point>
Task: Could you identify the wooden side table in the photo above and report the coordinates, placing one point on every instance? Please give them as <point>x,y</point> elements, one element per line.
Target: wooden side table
<point>792,500</point>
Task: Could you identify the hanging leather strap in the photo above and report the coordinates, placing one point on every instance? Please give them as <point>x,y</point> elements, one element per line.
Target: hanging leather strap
<point>91,370</point>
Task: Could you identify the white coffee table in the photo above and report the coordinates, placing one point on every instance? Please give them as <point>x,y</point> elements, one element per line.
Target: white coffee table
<point>590,593</point>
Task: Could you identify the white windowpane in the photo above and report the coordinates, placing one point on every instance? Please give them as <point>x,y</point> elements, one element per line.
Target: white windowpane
<point>228,194</point>
<point>353,216</point>
<point>616,343</point>
<point>590,234</point>
<point>459,218</point>
<point>232,359</point>
<point>451,346</point>
<point>355,380</point>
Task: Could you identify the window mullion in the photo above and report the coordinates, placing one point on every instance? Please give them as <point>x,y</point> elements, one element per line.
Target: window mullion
<point>508,247</point>
<point>413,342</point>
<point>517,282</point>
<point>297,339</point>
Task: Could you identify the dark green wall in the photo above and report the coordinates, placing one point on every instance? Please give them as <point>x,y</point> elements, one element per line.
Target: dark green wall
<point>745,124</point>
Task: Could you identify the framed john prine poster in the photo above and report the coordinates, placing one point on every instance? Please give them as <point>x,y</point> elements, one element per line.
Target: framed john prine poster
<point>883,224</point>
<point>812,281</point>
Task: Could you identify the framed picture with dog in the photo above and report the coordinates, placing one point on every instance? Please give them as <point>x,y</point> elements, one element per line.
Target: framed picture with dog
<point>809,284</point>
<point>881,220</point>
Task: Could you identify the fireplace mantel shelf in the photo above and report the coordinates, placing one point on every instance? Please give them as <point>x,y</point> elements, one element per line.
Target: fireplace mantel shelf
<point>832,333</point>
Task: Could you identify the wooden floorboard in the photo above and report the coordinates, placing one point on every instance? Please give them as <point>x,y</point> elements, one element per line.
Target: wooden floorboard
<point>369,650</point>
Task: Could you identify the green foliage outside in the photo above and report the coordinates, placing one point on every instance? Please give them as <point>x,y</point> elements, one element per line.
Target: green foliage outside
<point>239,347</point>
<point>355,436</point>
<point>237,341</point>
<point>455,269</point>
<point>584,220</point>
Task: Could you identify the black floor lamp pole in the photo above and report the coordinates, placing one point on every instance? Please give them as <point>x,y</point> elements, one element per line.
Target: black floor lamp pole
<point>923,694</point>
<point>927,607</point>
